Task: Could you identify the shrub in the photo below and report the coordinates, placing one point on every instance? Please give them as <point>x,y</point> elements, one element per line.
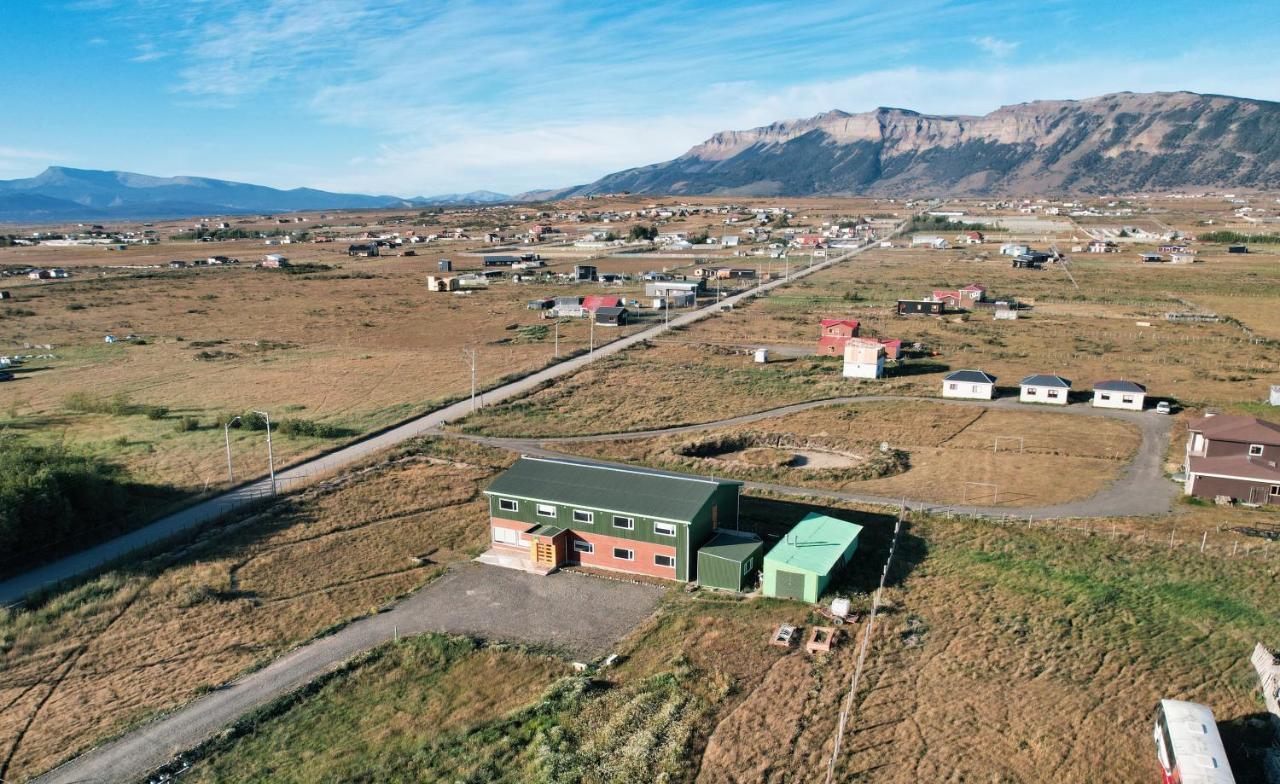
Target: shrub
<point>88,403</point>
<point>155,412</point>
<point>186,424</point>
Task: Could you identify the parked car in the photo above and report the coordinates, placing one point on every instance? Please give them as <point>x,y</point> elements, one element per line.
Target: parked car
<point>1163,407</point>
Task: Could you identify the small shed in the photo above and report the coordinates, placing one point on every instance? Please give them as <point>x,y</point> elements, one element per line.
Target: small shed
<point>1045,388</point>
<point>611,316</point>
<point>1117,393</point>
<point>801,565</point>
<point>728,560</point>
<point>5,295</point>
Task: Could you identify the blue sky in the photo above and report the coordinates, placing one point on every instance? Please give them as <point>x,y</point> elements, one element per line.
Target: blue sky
<point>413,97</point>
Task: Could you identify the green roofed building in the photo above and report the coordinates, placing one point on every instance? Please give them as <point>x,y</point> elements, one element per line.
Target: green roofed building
<point>800,566</point>
<point>546,512</point>
<point>729,560</point>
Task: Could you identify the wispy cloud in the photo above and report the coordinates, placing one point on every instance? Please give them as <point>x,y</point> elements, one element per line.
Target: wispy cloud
<point>458,94</point>
<point>995,46</point>
<point>146,52</point>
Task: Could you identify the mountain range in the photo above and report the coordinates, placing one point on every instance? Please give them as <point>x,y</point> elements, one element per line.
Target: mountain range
<point>61,194</point>
<point>1119,143</point>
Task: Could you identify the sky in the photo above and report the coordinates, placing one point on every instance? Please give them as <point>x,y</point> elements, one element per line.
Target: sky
<point>419,97</point>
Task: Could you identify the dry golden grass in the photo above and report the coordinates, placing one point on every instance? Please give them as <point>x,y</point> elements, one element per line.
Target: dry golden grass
<point>93,660</point>
<point>948,445</point>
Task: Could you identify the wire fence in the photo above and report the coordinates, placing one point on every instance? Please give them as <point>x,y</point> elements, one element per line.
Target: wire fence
<point>865,646</point>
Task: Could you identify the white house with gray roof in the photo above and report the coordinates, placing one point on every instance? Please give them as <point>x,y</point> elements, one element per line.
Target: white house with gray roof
<point>969,384</point>
<point>1040,388</point>
<point>1114,393</point>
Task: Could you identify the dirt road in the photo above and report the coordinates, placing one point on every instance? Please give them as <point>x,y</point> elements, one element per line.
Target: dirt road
<point>1141,489</point>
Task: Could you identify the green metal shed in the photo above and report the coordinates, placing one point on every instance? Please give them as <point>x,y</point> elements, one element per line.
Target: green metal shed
<point>729,560</point>
<point>801,565</point>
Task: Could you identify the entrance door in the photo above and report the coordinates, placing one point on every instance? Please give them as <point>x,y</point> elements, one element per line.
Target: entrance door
<point>544,553</point>
<point>790,585</point>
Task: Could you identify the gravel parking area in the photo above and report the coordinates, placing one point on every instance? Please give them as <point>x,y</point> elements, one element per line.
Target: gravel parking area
<point>575,613</point>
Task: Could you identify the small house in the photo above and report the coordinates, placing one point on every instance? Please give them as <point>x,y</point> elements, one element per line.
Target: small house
<point>593,302</point>
<point>936,243</point>
<point>1182,257</point>
<point>442,283</point>
<point>500,261</point>
<point>274,261</point>
<point>584,272</point>
<point>835,334</point>
<point>892,347</point>
<point>1014,249</point>
<point>1237,249</point>
<point>863,358</point>
<point>568,306</point>
<point>363,250</point>
<point>973,238</point>
<point>802,564</point>
<point>541,304</point>
<point>1103,246</point>
<point>444,265</point>
<point>1115,393</point>
<point>611,316</point>
<point>930,307</point>
<point>1027,261</point>
<point>969,384</point>
<point>1150,258</point>
<point>729,560</point>
<point>1041,388</point>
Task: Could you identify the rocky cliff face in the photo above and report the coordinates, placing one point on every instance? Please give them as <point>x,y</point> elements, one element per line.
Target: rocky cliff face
<point>1114,143</point>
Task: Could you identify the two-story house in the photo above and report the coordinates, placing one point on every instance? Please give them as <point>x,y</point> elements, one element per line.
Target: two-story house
<point>547,512</point>
<point>1233,456</point>
<point>835,334</point>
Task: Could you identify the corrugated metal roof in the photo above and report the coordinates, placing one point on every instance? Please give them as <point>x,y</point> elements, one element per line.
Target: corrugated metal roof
<point>1116,385</point>
<point>732,545</point>
<point>1230,427</point>
<point>971,376</point>
<point>639,491</point>
<point>1044,380</point>
<point>815,544</point>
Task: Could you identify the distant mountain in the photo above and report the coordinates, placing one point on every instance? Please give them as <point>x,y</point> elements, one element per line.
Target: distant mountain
<point>1117,143</point>
<point>60,193</point>
<point>472,198</point>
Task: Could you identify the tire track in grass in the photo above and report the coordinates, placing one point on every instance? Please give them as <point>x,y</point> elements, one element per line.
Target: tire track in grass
<point>71,661</point>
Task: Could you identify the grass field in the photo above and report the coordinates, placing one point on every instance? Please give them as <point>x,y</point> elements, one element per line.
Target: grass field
<point>1083,634</point>
<point>946,446</point>
<point>86,663</point>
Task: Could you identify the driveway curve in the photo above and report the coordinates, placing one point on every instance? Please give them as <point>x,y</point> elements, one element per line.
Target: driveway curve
<point>1141,489</point>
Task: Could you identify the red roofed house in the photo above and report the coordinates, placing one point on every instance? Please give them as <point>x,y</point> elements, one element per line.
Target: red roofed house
<point>593,302</point>
<point>835,334</point>
<point>1233,456</point>
<point>961,299</point>
<point>808,241</point>
<point>973,238</point>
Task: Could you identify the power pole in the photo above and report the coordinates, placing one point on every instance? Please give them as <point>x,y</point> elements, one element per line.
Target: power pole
<point>271,459</point>
<point>470,355</point>
<point>591,315</point>
<point>557,337</point>
<point>226,434</point>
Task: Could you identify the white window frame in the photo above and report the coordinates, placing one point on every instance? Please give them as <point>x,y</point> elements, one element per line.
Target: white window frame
<point>1106,396</point>
<point>542,510</point>
<point>590,517</point>
<point>671,565</point>
<point>953,386</point>
<point>630,526</point>
<point>1031,391</point>
<point>1275,489</point>
<point>658,528</point>
<point>1052,393</point>
<point>584,547</point>
<point>630,554</point>
<point>1127,399</point>
<point>746,566</point>
<point>1256,450</point>
<point>503,507</point>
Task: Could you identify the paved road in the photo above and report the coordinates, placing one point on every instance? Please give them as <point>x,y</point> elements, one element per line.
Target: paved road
<point>1141,489</point>
<point>15,588</point>
<point>485,601</point>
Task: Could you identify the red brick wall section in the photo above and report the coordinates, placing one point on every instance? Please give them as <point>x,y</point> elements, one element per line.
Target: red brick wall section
<point>603,558</point>
<point>498,522</point>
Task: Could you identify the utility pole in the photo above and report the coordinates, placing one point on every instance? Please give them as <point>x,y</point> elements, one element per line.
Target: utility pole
<point>592,315</point>
<point>226,434</point>
<point>470,355</point>
<point>271,459</point>
<point>557,337</point>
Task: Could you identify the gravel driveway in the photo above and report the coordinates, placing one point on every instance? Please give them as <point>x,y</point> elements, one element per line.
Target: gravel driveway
<point>578,614</point>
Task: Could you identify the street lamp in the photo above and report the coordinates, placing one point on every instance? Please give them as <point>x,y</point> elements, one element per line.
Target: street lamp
<point>271,460</point>
<point>226,434</point>
<point>470,355</point>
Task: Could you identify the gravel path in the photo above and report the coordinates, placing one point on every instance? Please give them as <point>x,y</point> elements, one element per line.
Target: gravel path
<point>1141,489</point>
<point>473,599</point>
